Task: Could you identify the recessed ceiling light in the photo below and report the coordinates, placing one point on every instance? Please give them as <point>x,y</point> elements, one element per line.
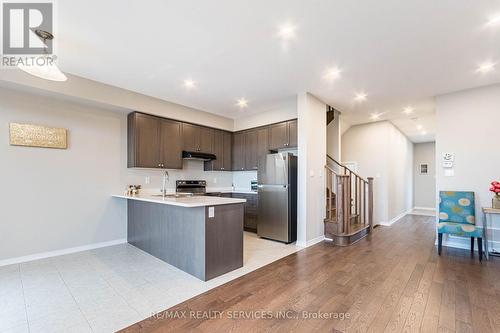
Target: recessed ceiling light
<point>242,103</point>
<point>420,127</point>
<point>486,67</point>
<point>494,21</point>
<point>189,84</point>
<point>375,116</point>
<point>332,73</point>
<point>408,110</point>
<point>287,31</point>
<point>360,97</point>
<point>423,133</point>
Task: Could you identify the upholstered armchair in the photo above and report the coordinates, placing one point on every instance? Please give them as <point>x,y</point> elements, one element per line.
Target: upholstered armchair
<point>457,216</point>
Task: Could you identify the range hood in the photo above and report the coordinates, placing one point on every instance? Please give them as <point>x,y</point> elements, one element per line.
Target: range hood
<point>196,155</point>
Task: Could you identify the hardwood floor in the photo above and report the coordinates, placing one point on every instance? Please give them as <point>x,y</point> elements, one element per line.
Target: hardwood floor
<point>392,281</point>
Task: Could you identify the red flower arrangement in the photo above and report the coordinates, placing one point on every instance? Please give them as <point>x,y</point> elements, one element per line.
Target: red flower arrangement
<point>495,187</point>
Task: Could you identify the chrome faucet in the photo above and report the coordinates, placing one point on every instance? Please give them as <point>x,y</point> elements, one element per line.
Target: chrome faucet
<point>166,177</point>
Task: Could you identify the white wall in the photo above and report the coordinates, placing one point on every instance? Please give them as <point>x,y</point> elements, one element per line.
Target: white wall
<point>55,199</point>
<point>283,110</point>
<point>400,180</point>
<point>383,152</point>
<point>92,91</point>
<point>467,125</point>
<point>311,163</point>
<point>424,192</point>
<point>333,136</point>
<point>58,199</point>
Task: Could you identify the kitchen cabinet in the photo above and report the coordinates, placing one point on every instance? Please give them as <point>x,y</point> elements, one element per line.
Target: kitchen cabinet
<point>292,133</point>
<point>227,154</point>
<point>262,143</point>
<point>251,149</point>
<point>206,144</point>
<point>250,221</point>
<point>170,144</point>
<point>156,142</point>
<point>197,138</point>
<point>283,135</point>
<point>223,150</point>
<point>238,162</point>
<point>153,142</point>
<point>278,134</point>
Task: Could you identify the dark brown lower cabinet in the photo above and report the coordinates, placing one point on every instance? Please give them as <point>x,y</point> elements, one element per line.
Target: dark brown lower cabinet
<point>250,221</point>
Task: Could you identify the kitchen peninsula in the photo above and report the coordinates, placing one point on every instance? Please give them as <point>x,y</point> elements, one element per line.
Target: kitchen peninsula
<point>200,235</point>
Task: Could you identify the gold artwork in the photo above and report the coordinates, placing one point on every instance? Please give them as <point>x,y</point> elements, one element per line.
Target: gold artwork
<point>38,136</point>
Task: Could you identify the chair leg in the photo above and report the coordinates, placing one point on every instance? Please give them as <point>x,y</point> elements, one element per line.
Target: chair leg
<point>472,246</point>
<point>440,242</point>
<point>480,248</point>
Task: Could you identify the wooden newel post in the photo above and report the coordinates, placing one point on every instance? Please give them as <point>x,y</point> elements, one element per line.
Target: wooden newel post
<point>370,202</point>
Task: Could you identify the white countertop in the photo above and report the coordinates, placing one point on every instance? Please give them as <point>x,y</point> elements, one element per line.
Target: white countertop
<point>229,190</point>
<point>195,201</point>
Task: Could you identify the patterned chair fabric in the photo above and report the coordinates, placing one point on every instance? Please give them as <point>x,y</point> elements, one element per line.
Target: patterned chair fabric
<point>457,214</point>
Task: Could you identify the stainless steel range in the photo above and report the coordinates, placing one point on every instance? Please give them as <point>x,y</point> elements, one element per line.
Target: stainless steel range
<point>193,187</point>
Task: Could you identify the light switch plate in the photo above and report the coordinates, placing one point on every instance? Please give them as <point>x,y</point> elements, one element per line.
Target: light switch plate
<point>211,212</point>
<point>147,180</point>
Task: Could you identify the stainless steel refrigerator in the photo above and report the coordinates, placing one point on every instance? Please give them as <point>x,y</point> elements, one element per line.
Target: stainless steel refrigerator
<point>277,203</point>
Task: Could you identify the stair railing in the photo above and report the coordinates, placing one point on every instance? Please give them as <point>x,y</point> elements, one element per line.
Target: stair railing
<point>352,194</point>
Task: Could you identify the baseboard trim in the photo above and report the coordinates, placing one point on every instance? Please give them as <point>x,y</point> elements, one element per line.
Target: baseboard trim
<point>425,208</point>
<point>464,243</point>
<point>56,253</point>
<point>394,220</point>
<point>310,242</point>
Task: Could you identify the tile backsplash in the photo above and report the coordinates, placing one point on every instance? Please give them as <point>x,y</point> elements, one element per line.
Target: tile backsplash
<point>243,179</point>
<point>191,169</point>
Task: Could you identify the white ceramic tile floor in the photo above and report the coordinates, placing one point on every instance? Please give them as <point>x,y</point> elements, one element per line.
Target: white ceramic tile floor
<point>107,289</point>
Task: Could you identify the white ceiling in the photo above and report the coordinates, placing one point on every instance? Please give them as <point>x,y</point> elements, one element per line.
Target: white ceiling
<point>399,52</point>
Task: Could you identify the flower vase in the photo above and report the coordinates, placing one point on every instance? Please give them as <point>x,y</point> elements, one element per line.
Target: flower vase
<point>496,201</point>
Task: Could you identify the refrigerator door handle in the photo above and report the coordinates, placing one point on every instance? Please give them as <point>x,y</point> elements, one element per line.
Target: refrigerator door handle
<point>266,185</point>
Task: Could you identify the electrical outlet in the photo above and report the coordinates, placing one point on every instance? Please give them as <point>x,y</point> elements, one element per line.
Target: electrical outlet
<point>147,180</point>
<point>215,180</point>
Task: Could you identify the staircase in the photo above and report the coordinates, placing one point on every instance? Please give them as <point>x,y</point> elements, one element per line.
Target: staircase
<point>349,204</point>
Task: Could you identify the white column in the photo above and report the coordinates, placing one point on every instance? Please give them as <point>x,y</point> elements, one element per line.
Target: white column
<point>311,162</point>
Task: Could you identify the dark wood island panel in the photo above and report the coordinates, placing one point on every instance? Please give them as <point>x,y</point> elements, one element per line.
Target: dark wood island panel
<point>188,237</point>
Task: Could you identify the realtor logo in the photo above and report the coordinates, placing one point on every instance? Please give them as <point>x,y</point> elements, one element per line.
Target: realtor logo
<point>20,21</point>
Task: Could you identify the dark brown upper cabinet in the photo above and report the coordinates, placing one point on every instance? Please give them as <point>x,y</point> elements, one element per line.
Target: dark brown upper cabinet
<point>262,143</point>
<point>256,146</point>
<point>283,135</point>
<point>197,138</point>
<point>223,150</point>
<point>171,144</point>
<point>156,142</point>
<point>292,133</point>
<point>153,142</point>
<point>227,155</point>
<point>238,162</point>
<point>251,149</point>
<point>206,140</point>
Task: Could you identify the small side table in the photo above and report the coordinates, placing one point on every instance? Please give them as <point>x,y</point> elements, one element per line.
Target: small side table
<point>488,212</point>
